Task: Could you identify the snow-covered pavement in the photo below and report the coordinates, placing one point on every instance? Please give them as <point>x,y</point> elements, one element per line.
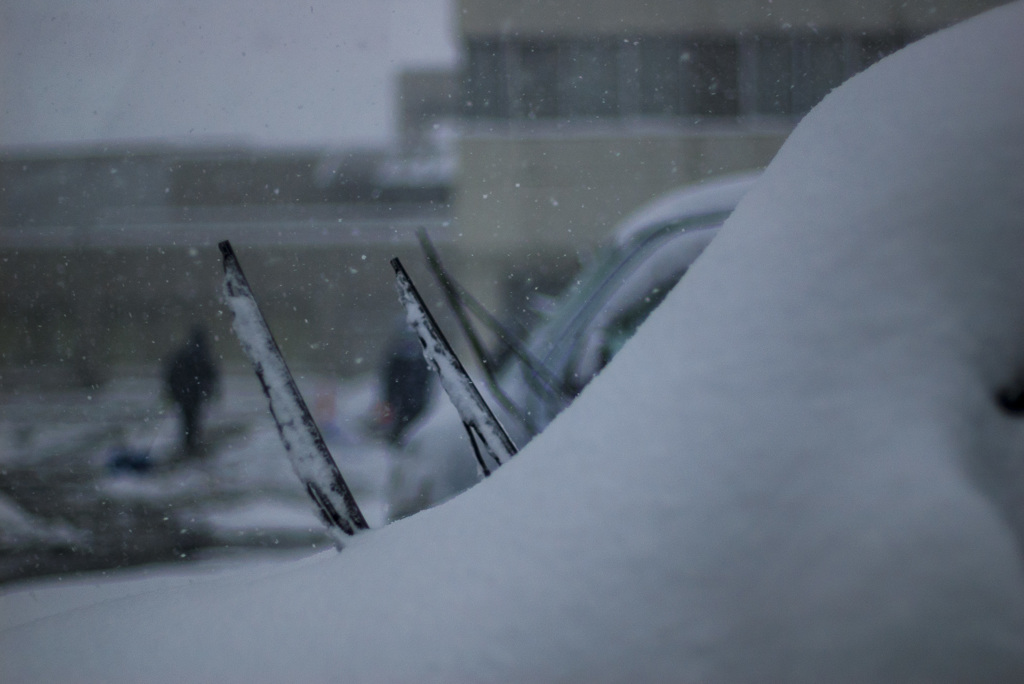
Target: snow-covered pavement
<point>94,479</point>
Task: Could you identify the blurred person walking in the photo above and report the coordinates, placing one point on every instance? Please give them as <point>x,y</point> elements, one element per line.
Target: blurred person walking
<point>405,380</point>
<point>191,380</point>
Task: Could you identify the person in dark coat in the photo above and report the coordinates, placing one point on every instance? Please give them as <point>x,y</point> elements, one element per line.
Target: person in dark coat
<point>190,377</point>
<point>406,381</point>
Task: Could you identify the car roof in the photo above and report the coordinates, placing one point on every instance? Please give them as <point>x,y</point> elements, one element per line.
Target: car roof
<point>721,193</point>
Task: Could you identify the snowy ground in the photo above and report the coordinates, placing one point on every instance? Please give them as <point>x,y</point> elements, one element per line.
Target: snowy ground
<point>66,508</point>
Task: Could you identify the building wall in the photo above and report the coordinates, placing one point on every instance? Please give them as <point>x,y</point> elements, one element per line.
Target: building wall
<point>107,259</point>
<point>597,17</point>
<point>82,313</point>
<point>577,112</point>
<point>566,191</point>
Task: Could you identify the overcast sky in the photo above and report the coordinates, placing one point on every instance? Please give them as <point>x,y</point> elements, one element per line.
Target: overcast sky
<point>311,73</point>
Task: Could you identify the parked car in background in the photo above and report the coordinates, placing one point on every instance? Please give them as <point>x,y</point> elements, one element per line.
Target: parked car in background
<point>647,254</point>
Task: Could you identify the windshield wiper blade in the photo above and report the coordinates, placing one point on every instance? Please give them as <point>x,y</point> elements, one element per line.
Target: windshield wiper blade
<point>303,443</point>
<point>476,415</point>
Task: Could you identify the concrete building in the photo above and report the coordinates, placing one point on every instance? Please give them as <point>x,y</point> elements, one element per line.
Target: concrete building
<point>576,112</point>
<point>109,255</point>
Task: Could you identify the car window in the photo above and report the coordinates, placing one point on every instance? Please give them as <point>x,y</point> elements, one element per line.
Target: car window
<point>604,276</point>
<point>614,293</point>
<point>625,298</point>
<point>615,335</point>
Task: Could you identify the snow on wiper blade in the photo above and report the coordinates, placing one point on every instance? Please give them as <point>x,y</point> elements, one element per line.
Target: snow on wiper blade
<point>305,446</point>
<point>480,422</point>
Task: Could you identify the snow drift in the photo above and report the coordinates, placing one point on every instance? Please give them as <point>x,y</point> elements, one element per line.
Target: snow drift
<point>797,470</point>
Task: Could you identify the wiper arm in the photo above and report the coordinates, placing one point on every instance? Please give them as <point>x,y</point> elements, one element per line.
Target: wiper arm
<point>462,302</point>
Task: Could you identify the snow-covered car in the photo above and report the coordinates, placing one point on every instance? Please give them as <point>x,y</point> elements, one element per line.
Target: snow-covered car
<point>647,254</point>
<point>799,469</point>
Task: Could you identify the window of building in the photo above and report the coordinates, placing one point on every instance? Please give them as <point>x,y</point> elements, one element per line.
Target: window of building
<point>792,74</point>
<point>713,86</point>
<point>773,81</point>
<point>819,65</point>
<point>875,47</point>
<point>485,82</point>
<point>536,80</point>
<point>662,76</point>
<point>589,78</point>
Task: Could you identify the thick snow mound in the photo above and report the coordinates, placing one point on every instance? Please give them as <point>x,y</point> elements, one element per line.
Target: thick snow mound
<point>796,471</point>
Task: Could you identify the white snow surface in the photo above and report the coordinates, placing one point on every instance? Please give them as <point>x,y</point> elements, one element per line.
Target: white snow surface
<point>796,471</point>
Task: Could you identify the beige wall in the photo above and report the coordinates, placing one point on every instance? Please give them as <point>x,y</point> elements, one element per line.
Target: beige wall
<point>564,192</point>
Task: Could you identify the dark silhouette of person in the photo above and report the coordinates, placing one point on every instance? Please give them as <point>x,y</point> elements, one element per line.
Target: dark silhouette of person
<point>406,380</point>
<point>191,377</point>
